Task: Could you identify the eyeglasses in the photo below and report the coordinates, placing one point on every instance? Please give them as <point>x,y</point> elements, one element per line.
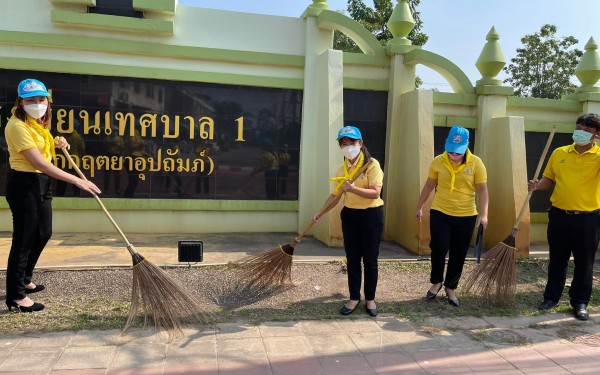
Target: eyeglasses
<point>455,153</point>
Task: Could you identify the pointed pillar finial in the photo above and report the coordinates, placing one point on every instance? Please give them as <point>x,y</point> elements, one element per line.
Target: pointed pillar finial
<point>316,8</point>
<point>491,60</point>
<point>400,24</point>
<point>588,69</point>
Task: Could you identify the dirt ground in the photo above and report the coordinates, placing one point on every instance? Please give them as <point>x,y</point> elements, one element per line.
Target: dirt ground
<point>99,299</point>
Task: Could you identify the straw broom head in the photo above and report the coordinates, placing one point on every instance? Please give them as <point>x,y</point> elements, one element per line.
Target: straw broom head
<point>495,277</point>
<point>161,300</point>
<point>269,267</point>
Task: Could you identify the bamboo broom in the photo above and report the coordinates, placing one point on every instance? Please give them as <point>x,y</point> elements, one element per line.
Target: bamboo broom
<point>274,266</point>
<point>160,297</point>
<point>495,277</point>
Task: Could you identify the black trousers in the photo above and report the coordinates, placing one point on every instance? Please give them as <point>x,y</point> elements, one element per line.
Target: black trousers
<point>577,235</point>
<point>30,200</point>
<point>362,229</point>
<point>449,235</point>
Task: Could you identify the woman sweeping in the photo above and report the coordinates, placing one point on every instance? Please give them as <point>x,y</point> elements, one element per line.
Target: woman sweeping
<point>31,150</point>
<point>362,218</point>
<point>456,175</point>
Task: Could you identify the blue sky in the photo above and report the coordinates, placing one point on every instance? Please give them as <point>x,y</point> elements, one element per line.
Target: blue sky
<point>457,28</point>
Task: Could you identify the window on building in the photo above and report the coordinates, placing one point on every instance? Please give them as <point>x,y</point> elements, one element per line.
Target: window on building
<point>123,8</point>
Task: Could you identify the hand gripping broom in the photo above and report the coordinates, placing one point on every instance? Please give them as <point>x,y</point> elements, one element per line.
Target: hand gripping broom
<point>496,277</point>
<point>274,266</point>
<point>160,297</point>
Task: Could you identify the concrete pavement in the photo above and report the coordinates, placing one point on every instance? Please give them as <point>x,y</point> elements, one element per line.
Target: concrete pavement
<point>546,344</point>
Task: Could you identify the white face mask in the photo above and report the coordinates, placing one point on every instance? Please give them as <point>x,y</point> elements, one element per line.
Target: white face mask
<point>351,151</point>
<point>35,110</point>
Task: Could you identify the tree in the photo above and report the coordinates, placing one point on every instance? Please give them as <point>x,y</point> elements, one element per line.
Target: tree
<point>543,68</point>
<point>375,20</point>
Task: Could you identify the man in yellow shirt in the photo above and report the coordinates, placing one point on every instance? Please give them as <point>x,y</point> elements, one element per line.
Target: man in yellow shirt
<point>574,218</point>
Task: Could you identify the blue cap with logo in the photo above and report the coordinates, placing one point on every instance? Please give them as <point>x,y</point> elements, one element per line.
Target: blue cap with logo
<point>458,140</point>
<point>351,132</point>
<point>31,87</point>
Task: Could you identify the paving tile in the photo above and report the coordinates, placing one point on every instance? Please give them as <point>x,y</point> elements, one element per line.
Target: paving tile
<point>561,354</point>
<point>89,357</point>
<point>345,364</point>
<point>416,340</point>
<point>527,321</point>
<point>203,368</point>
<point>9,342</point>
<point>483,361</point>
<point>455,340</point>
<point>241,349</point>
<point>3,354</point>
<point>321,327</point>
<point>278,347</point>
<point>78,372</point>
<point>235,330</point>
<point>364,325</point>
<point>546,370</point>
<point>332,345</point>
<point>395,325</point>
<point>148,355</point>
<point>376,342</point>
<point>245,367</point>
<point>525,358</point>
<point>193,352</point>
<point>31,360</point>
<point>137,370</point>
<point>588,350</point>
<point>393,363</point>
<point>46,340</point>
<point>270,329</point>
<point>469,322</point>
<point>440,362</point>
<point>588,368</point>
<point>301,365</point>
<point>98,338</point>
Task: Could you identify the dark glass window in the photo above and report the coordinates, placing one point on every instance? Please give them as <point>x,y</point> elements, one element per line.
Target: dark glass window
<point>225,133</point>
<point>534,144</point>
<point>367,110</point>
<point>122,8</point>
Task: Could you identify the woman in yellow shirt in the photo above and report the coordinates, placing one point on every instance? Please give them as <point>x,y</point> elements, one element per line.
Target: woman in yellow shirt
<point>362,218</point>
<point>456,175</point>
<point>31,150</point>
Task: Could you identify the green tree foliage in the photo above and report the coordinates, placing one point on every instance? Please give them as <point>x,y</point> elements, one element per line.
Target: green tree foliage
<point>375,20</point>
<point>543,68</point>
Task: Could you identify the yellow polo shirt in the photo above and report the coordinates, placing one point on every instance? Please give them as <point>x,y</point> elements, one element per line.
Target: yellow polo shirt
<point>577,178</point>
<point>457,200</point>
<point>21,136</point>
<point>372,177</point>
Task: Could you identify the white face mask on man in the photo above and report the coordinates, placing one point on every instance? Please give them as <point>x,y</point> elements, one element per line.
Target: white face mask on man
<point>582,138</point>
<point>351,151</point>
<point>35,110</point>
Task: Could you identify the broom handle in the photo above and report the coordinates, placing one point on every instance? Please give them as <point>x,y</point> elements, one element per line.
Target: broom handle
<point>112,221</point>
<point>535,176</point>
<point>333,203</point>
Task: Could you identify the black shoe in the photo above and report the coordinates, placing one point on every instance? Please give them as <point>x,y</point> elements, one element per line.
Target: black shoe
<point>580,311</point>
<point>35,307</point>
<point>454,302</point>
<point>372,312</point>
<point>38,288</point>
<point>547,304</point>
<point>346,311</point>
<point>431,296</point>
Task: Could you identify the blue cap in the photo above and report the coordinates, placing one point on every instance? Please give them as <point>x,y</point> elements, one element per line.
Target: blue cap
<point>458,140</point>
<point>32,87</point>
<point>351,132</point>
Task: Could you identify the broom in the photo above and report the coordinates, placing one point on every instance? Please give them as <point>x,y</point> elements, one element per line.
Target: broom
<point>495,278</point>
<point>274,266</point>
<point>160,297</point>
